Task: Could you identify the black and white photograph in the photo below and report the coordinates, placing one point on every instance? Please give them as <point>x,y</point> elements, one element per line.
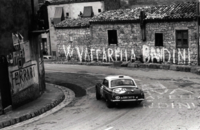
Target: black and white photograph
<point>99,64</point>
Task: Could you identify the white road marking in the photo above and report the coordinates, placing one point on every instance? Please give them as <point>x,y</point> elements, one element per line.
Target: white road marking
<point>193,104</point>
<point>145,87</point>
<point>109,128</point>
<point>160,87</point>
<point>181,90</point>
<point>149,96</point>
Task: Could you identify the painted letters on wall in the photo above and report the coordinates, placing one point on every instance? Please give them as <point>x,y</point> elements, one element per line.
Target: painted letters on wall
<point>149,54</point>
<point>165,55</point>
<point>22,70</point>
<point>23,77</point>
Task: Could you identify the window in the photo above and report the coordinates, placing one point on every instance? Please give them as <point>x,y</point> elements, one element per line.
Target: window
<point>112,37</point>
<point>88,11</point>
<point>99,10</point>
<point>158,39</point>
<point>59,15</point>
<point>105,82</point>
<point>182,39</point>
<point>122,82</point>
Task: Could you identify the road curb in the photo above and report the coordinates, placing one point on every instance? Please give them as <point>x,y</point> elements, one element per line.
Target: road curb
<point>34,113</point>
<point>183,68</point>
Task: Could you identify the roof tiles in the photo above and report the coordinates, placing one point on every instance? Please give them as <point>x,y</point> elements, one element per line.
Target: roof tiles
<point>70,23</point>
<point>173,11</point>
<point>54,2</point>
<point>184,10</point>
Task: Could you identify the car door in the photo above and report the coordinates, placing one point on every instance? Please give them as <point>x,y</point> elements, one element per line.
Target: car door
<point>103,87</point>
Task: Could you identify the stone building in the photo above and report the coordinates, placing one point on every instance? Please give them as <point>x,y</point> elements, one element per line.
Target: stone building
<point>162,34</point>
<point>60,10</point>
<point>168,33</point>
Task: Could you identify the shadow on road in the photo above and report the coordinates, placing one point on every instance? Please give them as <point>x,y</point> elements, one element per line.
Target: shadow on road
<point>66,80</point>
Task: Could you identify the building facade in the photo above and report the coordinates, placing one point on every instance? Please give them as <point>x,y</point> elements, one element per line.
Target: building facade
<point>161,34</point>
<point>59,11</point>
<point>21,63</point>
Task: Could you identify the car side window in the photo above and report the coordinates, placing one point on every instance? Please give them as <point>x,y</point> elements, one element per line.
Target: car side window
<point>105,82</point>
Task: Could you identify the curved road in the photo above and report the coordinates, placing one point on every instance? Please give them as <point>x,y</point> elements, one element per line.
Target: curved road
<point>172,102</point>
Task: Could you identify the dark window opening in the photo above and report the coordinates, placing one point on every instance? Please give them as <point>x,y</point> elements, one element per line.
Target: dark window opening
<point>112,37</point>
<point>67,15</point>
<point>99,10</point>
<point>59,15</point>
<point>88,12</point>
<point>182,39</point>
<point>158,39</point>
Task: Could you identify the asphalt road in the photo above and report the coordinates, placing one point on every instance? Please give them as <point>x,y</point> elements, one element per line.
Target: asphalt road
<point>172,101</point>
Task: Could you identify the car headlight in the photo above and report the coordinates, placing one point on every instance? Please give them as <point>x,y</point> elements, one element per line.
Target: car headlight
<point>119,90</point>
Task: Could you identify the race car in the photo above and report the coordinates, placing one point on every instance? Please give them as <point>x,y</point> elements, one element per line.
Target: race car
<point>119,88</point>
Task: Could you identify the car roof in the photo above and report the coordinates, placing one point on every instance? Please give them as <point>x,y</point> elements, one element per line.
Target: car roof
<point>112,77</point>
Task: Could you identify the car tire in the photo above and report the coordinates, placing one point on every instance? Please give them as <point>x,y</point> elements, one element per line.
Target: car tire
<point>109,104</point>
<point>98,96</point>
<point>138,102</point>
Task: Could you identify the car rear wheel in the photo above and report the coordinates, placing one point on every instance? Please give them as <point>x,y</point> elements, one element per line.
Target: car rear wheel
<point>109,104</point>
<point>98,96</point>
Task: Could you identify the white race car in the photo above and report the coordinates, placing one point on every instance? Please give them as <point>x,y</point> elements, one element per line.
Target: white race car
<point>119,88</point>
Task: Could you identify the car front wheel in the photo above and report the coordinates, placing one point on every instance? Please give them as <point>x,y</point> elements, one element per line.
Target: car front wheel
<point>109,104</point>
<point>138,102</point>
<point>98,96</point>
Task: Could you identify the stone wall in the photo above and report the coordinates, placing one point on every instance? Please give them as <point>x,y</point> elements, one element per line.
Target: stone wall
<point>129,39</point>
<point>169,39</point>
<point>130,46</point>
<point>74,10</point>
<point>71,38</point>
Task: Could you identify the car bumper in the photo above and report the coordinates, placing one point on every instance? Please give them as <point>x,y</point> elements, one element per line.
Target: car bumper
<point>127,100</point>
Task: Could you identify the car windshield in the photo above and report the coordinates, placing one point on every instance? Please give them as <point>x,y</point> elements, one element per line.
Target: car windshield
<point>122,82</point>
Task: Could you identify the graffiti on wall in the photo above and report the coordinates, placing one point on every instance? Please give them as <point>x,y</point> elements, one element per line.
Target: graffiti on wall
<point>23,77</point>
<point>91,54</point>
<point>148,54</point>
<point>165,55</point>
<point>22,70</point>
